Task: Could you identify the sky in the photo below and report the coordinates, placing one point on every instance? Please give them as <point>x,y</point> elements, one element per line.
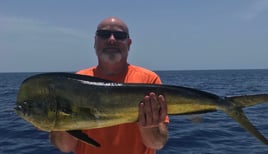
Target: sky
<point>58,35</point>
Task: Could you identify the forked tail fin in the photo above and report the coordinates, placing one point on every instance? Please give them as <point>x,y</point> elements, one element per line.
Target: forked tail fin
<point>248,100</point>
<point>238,115</point>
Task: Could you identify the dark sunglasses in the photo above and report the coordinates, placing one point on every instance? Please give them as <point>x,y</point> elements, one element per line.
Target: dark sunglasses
<point>118,35</point>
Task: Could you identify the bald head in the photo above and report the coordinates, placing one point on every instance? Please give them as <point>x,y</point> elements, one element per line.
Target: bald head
<point>113,23</point>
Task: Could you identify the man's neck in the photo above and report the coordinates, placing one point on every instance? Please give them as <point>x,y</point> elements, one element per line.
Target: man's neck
<point>112,69</point>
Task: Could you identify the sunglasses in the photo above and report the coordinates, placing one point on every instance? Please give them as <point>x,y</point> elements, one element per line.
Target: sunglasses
<point>118,35</point>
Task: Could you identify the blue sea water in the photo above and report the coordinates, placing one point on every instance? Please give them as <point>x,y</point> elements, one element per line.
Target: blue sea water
<point>210,133</point>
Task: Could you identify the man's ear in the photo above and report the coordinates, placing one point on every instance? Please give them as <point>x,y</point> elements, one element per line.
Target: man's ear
<point>129,43</point>
<point>95,42</point>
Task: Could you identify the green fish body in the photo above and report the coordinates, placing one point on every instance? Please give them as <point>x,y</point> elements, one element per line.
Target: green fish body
<point>67,102</point>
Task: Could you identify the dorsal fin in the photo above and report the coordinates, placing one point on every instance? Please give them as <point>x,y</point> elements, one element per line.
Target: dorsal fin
<point>70,75</point>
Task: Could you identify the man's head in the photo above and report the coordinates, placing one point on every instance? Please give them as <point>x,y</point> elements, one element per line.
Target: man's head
<point>112,41</point>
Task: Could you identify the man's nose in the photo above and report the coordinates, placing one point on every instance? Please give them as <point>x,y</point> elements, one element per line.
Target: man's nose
<point>112,39</point>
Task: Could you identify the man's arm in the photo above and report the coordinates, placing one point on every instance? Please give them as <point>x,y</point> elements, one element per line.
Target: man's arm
<point>152,115</point>
<point>63,141</point>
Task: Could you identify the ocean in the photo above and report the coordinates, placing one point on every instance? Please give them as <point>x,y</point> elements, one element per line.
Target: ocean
<point>210,133</point>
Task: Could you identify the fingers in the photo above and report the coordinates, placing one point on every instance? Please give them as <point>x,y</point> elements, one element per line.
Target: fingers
<point>155,108</point>
<point>141,114</point>
<point>163,107</point>
<point>152,110</point>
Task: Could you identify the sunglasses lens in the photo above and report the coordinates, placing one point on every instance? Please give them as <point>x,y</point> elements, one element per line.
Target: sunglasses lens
<point>105,34</point>
<point>120,35</point>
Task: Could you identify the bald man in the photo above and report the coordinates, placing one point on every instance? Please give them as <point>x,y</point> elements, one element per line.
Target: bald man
<point>112,44</point>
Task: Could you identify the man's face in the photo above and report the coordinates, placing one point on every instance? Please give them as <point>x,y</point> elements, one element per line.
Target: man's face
<point>112,43</point>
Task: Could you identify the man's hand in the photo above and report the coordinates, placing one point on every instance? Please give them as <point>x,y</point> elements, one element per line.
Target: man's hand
<point>152,115</point>
<point>152,111</point>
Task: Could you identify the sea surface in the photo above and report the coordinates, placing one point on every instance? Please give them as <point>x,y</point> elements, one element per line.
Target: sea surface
<point>210,133</point>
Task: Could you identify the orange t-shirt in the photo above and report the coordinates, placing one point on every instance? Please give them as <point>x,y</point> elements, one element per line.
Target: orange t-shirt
<point>119,139</point>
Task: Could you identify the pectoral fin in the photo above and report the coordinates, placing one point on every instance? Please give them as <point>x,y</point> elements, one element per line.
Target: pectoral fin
<point>83,137</point>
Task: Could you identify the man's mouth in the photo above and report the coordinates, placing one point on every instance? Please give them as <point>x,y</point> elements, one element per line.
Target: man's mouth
<point>111,50</point>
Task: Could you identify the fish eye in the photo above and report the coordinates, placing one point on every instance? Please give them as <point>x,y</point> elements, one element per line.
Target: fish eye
<point>23,107</point>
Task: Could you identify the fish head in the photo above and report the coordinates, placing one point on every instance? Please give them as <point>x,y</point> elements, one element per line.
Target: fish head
<point>35,105</point>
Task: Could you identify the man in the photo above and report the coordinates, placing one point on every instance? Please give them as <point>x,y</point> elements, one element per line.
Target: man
<point>112,44</point>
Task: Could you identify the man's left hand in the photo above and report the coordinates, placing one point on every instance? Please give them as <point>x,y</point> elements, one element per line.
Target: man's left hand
<point>152,111</point>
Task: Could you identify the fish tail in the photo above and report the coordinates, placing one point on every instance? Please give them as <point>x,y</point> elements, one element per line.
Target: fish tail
<point>248,100</point>
<point>238,115</point>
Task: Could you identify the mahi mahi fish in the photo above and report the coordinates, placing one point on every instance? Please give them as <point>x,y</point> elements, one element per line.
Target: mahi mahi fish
<point>71,102</point>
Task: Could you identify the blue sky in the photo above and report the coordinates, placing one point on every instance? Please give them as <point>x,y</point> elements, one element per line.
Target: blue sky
<point>167,35</point>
